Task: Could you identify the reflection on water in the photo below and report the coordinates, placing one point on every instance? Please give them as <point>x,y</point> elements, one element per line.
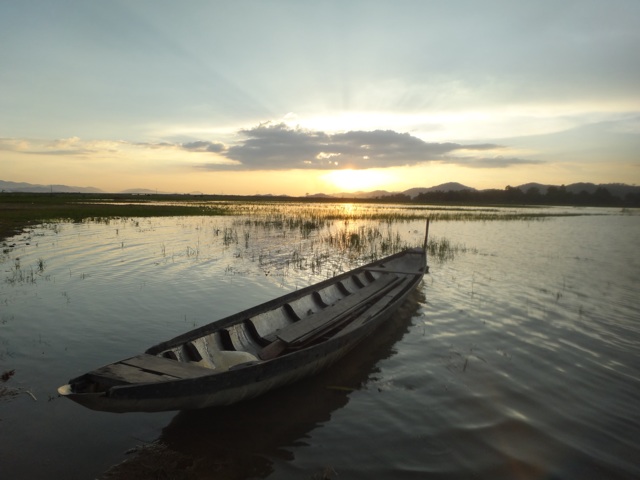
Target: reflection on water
<point>517,359</point>
<point>242,441</point>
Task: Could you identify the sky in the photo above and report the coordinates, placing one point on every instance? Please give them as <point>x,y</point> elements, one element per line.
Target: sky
<point>294,97</point>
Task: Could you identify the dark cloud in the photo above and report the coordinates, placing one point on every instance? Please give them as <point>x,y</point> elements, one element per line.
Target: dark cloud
<point>482,146</point>
<point>203,146</point>
<point>279,147</point>
<point>495,162</point>
<point>154,145</point>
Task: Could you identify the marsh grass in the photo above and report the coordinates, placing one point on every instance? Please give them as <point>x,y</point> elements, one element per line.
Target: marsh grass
<point>19,274</point>
<point>20,210</point>
<point>443,250</point>
<point>322,238</point>
<point>321,241</point>
<point>352,233</point>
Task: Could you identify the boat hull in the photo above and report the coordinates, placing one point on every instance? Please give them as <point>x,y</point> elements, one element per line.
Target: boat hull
<point>250,379</point>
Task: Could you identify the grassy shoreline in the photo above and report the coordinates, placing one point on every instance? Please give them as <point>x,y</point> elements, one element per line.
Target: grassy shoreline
<point>19,211</point>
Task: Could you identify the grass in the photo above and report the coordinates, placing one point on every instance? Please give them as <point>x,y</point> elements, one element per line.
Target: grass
<point>321,237</point>
<point>20,210</point>
<point>281,235</point>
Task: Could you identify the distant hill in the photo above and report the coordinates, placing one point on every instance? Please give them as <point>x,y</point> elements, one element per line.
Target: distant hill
<point>619,190</point>
<point>373,194</point>
<point>412,192</point>
<point>31,188</point>
<point>35,188</point>
<point>140,191</point>
<point>444,187</point>
<point>527,186</point>
<point>319,195</point>
<point>615,189</point>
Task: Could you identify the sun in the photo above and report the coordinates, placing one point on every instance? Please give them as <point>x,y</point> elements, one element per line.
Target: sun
<point>356,180</point>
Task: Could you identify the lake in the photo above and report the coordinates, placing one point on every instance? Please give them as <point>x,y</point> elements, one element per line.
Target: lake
<point>516,358</point>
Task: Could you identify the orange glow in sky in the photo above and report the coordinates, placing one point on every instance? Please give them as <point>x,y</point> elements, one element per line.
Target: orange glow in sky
<point>357,180</point>
<point>322,98</point>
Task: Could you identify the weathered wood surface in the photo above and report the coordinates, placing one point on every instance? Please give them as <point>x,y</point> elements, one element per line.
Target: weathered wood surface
<point>388,270</point>
<point>121,374</point>
<point>375,308</point>
<point>358,307</point>
<point>168,367</point>
<point>333,313</point>
<point>146,369</point>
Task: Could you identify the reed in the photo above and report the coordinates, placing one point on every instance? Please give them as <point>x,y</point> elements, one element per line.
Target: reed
<point>322,238</point>
<point>19,274</point>
<point>21,210</point>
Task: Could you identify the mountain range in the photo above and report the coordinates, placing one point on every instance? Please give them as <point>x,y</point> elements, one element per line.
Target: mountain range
<point>616,189</point>
<point>31,188</point>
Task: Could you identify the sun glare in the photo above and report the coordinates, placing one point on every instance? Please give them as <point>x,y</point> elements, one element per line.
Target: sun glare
<point>355,180</point>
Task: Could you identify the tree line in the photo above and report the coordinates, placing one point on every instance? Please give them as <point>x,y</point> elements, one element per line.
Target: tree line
<point>515,196</point>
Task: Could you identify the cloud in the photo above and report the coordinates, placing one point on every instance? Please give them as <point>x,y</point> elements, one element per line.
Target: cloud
<point>203,146</point>
<point>280,147</point>
<point>155,145</point>
<point>494,162</point>
<point>66,147</point>
<point>277,146</point>
<point>16,145</point>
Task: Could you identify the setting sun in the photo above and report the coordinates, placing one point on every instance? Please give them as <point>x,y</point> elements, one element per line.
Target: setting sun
<point>354,180</point>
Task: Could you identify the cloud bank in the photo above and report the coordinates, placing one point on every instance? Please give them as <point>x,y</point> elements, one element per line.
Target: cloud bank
<point>280,147</point>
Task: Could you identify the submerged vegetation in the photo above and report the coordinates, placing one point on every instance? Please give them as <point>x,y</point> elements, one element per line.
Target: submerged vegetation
<point>319,236</point>
<point>279,234</point>
<point>20,210</point>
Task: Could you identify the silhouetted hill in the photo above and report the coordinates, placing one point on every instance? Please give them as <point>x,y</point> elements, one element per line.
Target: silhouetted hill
<point>31,188</point>
<point>373,194</point>
<point>444,187</point>
<point>539,186</point>
<point>616,189</point>
<point>619,190</point>
<point>412,192</point>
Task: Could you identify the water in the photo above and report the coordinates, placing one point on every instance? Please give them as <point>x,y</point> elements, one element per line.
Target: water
<point>516,359</point>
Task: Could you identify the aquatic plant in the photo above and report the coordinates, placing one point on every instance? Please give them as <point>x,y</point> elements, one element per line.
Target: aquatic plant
<point>229,237</point>
<point>442,250</point>
<point>18,274</point>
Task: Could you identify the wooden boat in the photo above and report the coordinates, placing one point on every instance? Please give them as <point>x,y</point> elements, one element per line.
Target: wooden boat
<point>256,350</point>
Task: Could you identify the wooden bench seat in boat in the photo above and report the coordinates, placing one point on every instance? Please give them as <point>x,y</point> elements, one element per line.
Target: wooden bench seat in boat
<point>318,321</point>
<point>343,311</point>
<point>146,369</point>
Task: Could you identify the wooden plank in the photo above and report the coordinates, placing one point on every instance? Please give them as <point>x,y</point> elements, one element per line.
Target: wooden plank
<point>166,366</point>
<point>401,272</point>
<point>376,308</point>
<point>272,350</point>
<point>313,322</point>
<point>375,303</point>
<point>121,374</point>
<point>359,313</point>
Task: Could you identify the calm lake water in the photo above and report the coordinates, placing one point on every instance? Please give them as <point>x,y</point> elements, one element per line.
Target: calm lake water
<point>516,359</point>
